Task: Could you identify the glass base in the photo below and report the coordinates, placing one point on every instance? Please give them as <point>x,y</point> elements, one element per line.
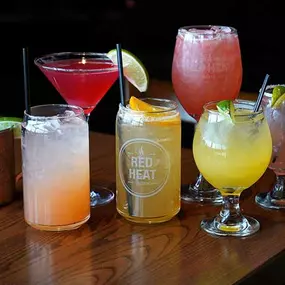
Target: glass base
<point>100,195</point>
<point>265,200</point>
<point>248,226</point>
<point>202,191</point>
<point>58,228</point>
<point>148,220</point>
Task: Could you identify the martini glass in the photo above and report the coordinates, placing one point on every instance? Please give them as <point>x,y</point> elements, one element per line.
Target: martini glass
<point>82,79</point>
<point>206,67</point>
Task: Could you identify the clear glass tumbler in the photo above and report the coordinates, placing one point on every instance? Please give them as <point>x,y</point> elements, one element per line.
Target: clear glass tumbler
<point>148,162</point>
<point>55,155</point>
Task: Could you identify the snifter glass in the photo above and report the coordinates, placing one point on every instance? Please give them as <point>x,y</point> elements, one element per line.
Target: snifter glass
<point>275,115</point>
<point>232,154</point>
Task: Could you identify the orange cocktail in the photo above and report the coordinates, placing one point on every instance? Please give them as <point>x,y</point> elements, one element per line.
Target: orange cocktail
<point>55,150</point>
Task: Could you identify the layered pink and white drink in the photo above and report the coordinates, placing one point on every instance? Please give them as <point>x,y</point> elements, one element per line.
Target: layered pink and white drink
<point>275,115</point>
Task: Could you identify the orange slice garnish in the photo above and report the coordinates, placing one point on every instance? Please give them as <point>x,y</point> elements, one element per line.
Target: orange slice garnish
<point>139,105</point>
<point>159,115</point>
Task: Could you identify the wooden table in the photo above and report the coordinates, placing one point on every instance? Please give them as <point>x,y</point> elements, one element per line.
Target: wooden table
<point>110,250</point>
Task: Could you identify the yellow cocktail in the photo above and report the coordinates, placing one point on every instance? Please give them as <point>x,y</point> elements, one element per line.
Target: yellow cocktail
<point>232,152</point>
<point>148,161</point>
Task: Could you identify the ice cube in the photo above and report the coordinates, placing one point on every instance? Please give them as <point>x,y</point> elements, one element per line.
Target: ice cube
<point>216,131</point>
<point>210,33</point>
<point>276,116</point>
<point>201,32</point>
<point>129,118</point>
<point>216,117</point>
<point>44,127</point>
<point>221,30</point>
<point>68,113</point>
<point>226,30</point>
<point>71,117</point>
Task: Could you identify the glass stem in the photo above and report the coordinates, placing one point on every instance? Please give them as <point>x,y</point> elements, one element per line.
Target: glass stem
<point>202,184</point>
<point>278,189</point>
<point>231,213</point>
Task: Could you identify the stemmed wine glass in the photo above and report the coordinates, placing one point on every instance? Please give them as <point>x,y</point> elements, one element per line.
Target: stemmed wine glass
<point>232,155</point>
<point>275,115</point>
<point>206,66</point>
<point>82,79</point>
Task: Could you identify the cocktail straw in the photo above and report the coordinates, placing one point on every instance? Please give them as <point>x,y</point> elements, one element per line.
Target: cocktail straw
<point>121,73</point>
<point>26,80</point>
<point>123,96</point>
<point>261,93</point>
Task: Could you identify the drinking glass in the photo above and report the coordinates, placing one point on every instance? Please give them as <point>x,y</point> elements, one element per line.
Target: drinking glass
<point>56,182</point>
<point>82,79</point>
<point>206,67</point>
<point>275,198</point>
<point>148,162</point>
<point>232,155</point>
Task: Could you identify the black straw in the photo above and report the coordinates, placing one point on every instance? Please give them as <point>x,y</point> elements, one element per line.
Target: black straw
<point>121,73</point>
<point>26,80</point>
<point>261,93</point>
<point>122,94</point>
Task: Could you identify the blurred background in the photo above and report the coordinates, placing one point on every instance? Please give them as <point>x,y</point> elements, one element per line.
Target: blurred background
<point>147,28</point>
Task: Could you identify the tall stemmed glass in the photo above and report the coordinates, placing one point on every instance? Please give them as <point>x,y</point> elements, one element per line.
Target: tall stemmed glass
<point>82,79</point>
<point>275,115</point>
<point>232,154</point>
<point>206,66</point>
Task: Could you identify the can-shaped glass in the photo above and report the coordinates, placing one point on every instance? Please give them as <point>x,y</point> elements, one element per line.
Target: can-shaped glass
<point>148,162</point>
<point>55,155</point>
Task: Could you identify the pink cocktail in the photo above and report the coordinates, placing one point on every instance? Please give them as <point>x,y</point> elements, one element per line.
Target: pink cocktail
<point>82,79</point>
<point>275,198</point>
<point>206,67</point>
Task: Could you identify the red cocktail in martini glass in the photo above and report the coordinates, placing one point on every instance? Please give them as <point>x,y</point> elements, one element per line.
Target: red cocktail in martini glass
<point>82,79</point>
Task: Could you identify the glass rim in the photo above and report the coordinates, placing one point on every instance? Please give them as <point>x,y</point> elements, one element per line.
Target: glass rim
<point>238,101</point>
<point>164,111</point>
<point>43,117</point>
<point>269,94</point>
<point>8,129</point>
<point>199,28</point>
<point>53,57</point>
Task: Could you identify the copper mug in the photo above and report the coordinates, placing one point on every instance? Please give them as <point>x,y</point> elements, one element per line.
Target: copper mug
<point>7,167</point>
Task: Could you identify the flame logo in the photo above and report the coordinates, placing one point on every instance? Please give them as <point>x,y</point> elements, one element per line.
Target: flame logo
<point>141,151</point>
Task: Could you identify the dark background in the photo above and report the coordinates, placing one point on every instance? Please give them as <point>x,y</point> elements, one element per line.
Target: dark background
<point>145,27</point>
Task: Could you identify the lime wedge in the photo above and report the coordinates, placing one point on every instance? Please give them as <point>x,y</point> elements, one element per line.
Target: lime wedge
<point>134,69</point>
<point>277,93</point>
<point>279,101</point>
<point>8,122</point>
<point>227,108</point>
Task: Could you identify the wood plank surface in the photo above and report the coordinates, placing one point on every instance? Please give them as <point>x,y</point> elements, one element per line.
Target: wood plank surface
<point>111,250</point>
